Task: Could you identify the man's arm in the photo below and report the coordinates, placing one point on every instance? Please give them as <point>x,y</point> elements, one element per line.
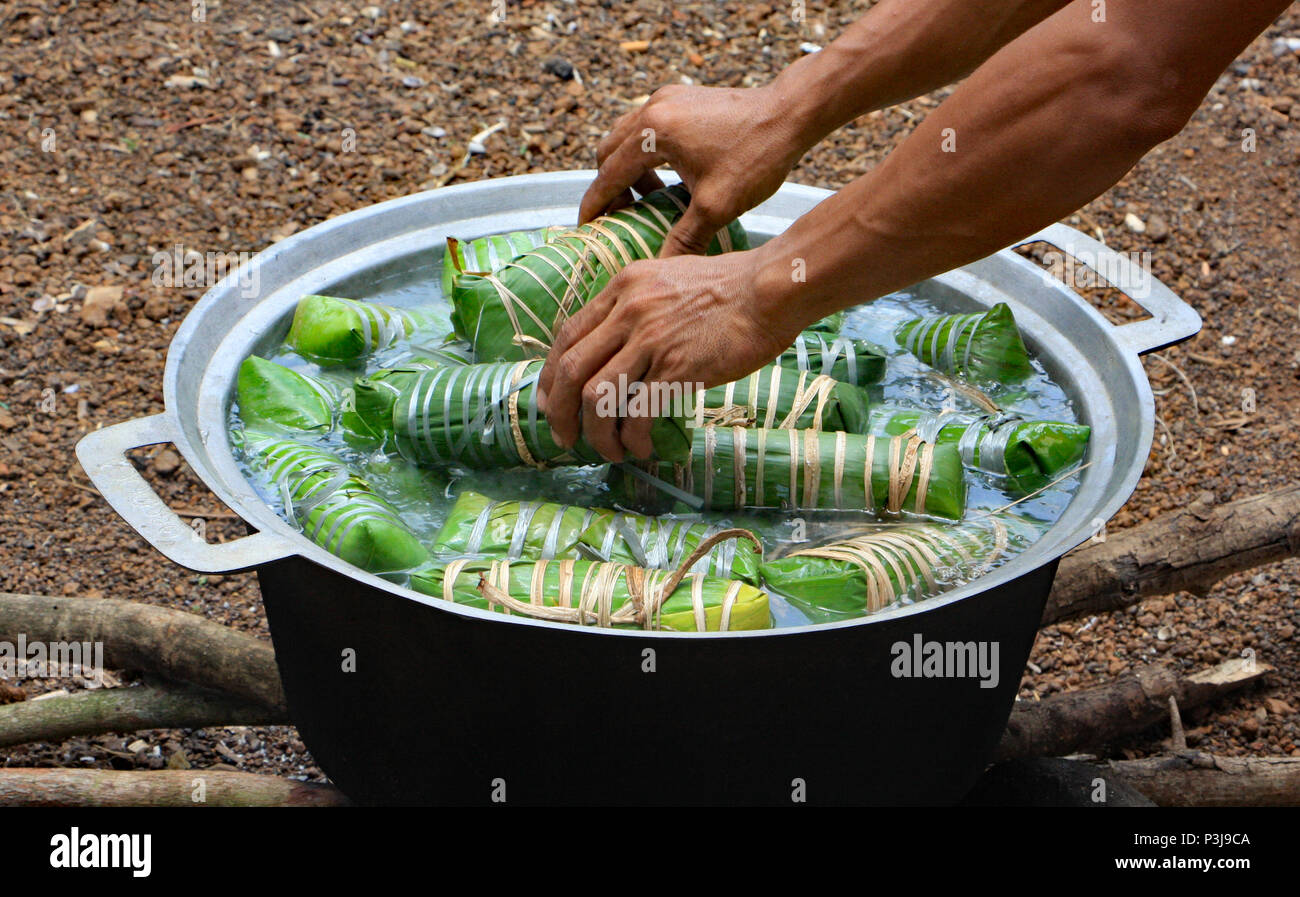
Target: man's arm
<point>734,147</point>
<point>1041,129</point>
<point>1049,122</point>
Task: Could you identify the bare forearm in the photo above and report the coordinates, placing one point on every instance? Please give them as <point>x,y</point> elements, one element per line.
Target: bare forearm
<point>1044,126</point>
<point>899,50</point>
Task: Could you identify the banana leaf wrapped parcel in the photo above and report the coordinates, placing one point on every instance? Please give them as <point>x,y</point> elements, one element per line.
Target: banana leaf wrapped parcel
<point>368,413</point>
<point>776,397</point>
<point>734,467</point>
<point>592,593</point>
<point>335,507</point>
<point>1028,452</point>
<point>538,530</point>
<point>334,331</point>
<point>488,254</point>
<point>485,416</point>
<point>857,361</point>
<point>893,564</point>
<point>272,396</point>
<point>533,530</point>
<point>513,313</point>
<point>982,346</point>
<point>666,542</point>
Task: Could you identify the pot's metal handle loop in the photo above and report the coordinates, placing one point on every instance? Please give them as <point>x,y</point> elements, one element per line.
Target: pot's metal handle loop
<point>1172,320</point>
<point>103,456</point>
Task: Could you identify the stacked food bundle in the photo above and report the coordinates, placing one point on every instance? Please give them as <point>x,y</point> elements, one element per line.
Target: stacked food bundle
<point>408,441</point>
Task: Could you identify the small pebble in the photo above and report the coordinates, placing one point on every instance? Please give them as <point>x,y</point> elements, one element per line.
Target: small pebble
<point>560,68</point>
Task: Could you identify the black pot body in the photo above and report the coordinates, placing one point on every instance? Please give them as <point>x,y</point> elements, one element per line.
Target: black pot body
<point>405,703</point>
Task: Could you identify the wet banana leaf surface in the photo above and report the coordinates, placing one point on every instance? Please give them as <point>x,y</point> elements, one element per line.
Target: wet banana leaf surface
<point>776,397</point>
<point>274,397</point>
<point>1028,453</point>
<point>488,255</point>
<point>342,331</point>
<point>539,530</point>
<point>894,564</point>
<point>486,416</point>
<point>983,346</point>
<point>893,453</point>
<point>737,467</point>
<point>334,506</point>
<point>856,361</point>
<point>593,593</point>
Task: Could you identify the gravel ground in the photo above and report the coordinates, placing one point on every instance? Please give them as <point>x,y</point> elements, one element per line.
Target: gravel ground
<point>128,128</point>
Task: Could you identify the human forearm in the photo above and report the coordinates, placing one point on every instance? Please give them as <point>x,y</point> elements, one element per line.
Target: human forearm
<point>734,147</point>
<point>1046,125</point>
<point>899,50</point>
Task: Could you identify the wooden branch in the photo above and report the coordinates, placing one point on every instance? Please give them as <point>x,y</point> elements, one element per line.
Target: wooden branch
<point>1188,550</point>
<point>1050,782</point>
<point>128,710</point>
<point>1091,717</point>
<point>164,788</point>
<point>1196,779</point>
<point>170,643</point>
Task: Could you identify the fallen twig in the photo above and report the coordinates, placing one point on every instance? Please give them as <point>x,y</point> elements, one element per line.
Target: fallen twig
<point>128,710</point>
<point>163,788</point>
<point>1196,779</point>
<point>464,160</point>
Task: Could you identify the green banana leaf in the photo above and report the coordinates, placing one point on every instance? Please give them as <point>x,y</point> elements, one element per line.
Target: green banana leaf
<point>778,398</point>
<point>539,530</point>
<point>272,396</point>
<point>335,507</point>
<point>488,254</point>
<point>533,530</point>
<point>514,313</point>
<point>485,416</point>
<point>832,323</point>
<point>981,346</point>
<point>592,593</point>
<point>1030,453</point>
<point>665,543</point>
<point>733,467</point>
<point>856,361</point>
<point>368,414</point>
<point>341,331</point>
<point>895,564</point>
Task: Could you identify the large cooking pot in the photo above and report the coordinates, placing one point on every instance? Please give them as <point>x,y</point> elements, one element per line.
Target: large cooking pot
<point>449,704</point>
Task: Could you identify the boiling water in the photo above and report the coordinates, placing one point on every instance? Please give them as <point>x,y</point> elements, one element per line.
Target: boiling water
<point>907,383</point>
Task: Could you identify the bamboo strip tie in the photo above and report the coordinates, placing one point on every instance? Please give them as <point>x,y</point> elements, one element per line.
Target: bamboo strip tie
<point>921,549</point>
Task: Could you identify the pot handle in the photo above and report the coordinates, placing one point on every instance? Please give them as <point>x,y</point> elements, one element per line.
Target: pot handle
<point>102,454</point>
<point>1172,320</point>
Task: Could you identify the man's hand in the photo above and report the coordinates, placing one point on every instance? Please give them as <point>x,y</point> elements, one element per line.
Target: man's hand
<point>677,321</point>
<point>732,148</point>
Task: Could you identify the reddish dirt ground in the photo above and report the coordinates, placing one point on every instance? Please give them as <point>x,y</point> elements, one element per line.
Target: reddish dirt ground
<point>127,128</point>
